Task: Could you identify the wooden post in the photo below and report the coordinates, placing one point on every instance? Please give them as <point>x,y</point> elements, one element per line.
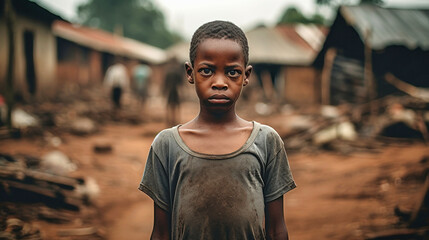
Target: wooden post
<point>326,75</point>
<point>267,85</point>
<point>368,75</point>
<point>9,95</point>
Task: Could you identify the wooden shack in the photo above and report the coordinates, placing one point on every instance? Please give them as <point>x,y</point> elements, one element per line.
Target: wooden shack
<point>365,44</point>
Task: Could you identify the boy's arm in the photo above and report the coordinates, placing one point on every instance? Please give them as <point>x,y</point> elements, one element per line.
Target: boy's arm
<point>161,224</point>
<point>275,225</point>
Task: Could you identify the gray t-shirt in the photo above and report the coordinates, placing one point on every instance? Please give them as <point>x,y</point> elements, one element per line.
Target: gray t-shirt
<point>217,196</point>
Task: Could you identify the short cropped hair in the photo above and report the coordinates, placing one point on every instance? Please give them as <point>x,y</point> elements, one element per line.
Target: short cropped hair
<point>219,30</point>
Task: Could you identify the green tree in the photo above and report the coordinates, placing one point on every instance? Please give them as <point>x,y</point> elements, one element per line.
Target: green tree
<point>137,19</point>
<point>293,15</point>
<point>339,2</point>
<point>318,19</point>
<point>378,2</point>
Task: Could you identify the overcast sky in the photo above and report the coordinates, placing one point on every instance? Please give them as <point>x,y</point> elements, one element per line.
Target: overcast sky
<point>185,16</point>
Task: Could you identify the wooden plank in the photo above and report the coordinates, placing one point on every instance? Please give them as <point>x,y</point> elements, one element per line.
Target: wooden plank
<point>54,216</point>
<point>402,233</point>
<point>20,173</point>
<point>326,75</point>
<point>62,196</point>
<point>30,188</point>
<point>77,232</point>
<point>418,214</point>
<point>421,93</point>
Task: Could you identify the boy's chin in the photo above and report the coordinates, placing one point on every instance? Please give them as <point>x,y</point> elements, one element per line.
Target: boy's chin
<point>218,108</point>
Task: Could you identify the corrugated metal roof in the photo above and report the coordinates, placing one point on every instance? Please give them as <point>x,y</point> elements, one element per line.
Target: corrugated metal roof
<point>312,34</point>
<point>309,36</point>
<point>107,42</point>
<point>267,45</point>
<point>386,26</point>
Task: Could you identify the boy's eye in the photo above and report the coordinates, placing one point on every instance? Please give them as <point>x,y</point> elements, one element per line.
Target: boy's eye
<point>205,71</point>
<point>234,73</point>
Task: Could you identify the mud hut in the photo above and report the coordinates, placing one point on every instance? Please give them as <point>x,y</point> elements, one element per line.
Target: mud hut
<point>34,49</point>
<point>84,54</point>
<point>282,58</point>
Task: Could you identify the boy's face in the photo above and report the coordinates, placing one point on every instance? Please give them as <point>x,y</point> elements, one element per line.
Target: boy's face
<point>219,73</point>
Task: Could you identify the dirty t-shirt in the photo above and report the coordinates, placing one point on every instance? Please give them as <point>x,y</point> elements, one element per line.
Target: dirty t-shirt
<point>217,196</point>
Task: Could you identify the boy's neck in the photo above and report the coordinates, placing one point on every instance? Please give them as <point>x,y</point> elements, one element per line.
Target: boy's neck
<point>217,118</point>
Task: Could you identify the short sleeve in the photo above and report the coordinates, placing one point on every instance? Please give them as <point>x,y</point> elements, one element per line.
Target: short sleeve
<point>155,181</point>
<point>278,176</point>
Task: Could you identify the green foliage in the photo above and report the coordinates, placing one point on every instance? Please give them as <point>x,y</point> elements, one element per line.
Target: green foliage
<point>378,2</point>
<point>293,15</point>
<point>346,2</point>
<point>318,19</point>
<point>137,19</point>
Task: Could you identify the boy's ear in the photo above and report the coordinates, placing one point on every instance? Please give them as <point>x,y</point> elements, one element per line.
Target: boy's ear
<point>189,72</point>
<point>247,73</point>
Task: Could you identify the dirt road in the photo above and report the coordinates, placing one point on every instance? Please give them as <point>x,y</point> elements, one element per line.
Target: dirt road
<point>338,196</point>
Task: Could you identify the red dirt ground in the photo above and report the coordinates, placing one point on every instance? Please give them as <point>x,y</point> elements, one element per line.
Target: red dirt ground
<point>338,196</point>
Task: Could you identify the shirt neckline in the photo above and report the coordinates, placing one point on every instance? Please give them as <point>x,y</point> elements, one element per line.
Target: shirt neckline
<point>246,145</point>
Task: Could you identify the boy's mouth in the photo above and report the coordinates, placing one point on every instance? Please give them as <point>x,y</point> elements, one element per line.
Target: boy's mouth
<point>219,99</point>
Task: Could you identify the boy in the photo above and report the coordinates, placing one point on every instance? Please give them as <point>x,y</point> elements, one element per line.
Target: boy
<point>218,176</point>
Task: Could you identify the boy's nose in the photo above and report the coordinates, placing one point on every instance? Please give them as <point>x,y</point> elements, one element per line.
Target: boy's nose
<point>219,83</point>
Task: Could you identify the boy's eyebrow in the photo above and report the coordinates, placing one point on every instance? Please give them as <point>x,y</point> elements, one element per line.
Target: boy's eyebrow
<point>213,66</point>
<point>233,66</point>
<point>206,64</point>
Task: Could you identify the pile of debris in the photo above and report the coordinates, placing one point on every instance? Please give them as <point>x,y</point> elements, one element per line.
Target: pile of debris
<point>17,229</point>
<point>347,128</point>
<point>26,177</point>
<point>78,115</point>
<point>34,188</point>
<point>77,118</point>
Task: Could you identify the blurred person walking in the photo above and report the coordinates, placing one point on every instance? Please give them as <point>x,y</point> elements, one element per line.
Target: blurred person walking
<point>116,81</point>
<point>141,77</point>
<point>172,83</point>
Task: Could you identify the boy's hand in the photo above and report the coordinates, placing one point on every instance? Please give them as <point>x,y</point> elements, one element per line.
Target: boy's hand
<point>275,225</point>
<point>161,224</point>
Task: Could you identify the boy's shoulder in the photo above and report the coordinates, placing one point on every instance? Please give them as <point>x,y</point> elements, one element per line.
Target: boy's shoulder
<point>165,135</point>
<point>267,131</point>
<point>164,139</point>
<point>164,142</point>
<point>269,138</point>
